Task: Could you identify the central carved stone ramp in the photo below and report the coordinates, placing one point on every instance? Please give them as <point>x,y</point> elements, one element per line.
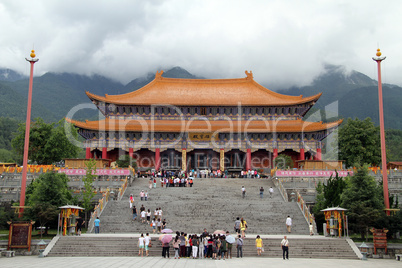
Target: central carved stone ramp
<point>212,203</point>
<point>114,245</point>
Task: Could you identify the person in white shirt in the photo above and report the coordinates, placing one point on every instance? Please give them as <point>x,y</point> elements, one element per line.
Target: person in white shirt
<point>271,192</point>
<point>143,216</point>
<point>141,245</point>
<point>285,247</point>
<point>243,191</point>
<point>289,224</point>
<point>147,241</point>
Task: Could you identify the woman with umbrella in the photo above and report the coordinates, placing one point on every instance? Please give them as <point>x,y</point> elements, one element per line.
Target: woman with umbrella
<point>165,239</point>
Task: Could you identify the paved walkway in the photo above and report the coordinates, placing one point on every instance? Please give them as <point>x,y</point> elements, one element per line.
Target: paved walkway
<point>98,262</point>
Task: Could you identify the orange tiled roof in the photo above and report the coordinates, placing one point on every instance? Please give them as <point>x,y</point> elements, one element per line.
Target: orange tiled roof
<point>204,125</point>
<point>202,92</point>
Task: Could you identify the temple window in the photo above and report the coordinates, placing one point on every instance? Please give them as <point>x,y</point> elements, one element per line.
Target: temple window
<point>203,111</point>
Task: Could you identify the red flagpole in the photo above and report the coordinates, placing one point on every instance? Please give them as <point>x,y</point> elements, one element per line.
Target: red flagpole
<point>378,59</point>
<point>27,130</point>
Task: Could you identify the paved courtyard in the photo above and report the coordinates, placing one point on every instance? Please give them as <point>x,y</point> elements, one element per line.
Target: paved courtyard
<point>98,262</point>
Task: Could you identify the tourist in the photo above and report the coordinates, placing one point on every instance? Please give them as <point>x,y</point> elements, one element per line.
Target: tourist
<point>156,213</point>
<point>146,195</point>
<point>161,180</point>
<point>160,213</point>
<point>97,225</point>
<point>182,245</point>
<point>163,224</point>
<point>176,246</point>
<point>148,216</point>
<point>259,245</point>
<point>243,191</point>
<point>141,245</point>
<point>80,223</point>
<point>205,233</point>
<point>215,247</point>
<point>165,249</point>
<point>223,247</point>
<point>159,226</point>
<point>261,192</point>
<point>271,192</point>
<point>285,247</point>
<point>143,216</point>
<point>188,246</point>
<point>210,243</point>
<point>243,227</point>
<point>239,246</point>
<point>201,247</point>
<point>153,224</point>
<point>147,241</point>
<point>195,243</point>
<point>289,224</point>
<point>229,247</point>
<point>131,201</point>
<point>150,183</point>
<point>134,213</point>
<point>142,194</point>
<point>311,228</point>
<point>142,208</point>
<point>237,225</point>
<point>154,182</point>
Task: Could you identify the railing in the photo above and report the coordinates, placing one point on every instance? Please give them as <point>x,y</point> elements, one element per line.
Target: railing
<point>306,213</point>
<point>98,210</point>
<point>103,202</point>
<point>282,190</point>
<point>122,189</point>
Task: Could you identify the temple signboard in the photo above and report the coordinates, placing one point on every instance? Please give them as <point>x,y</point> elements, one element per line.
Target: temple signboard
<point>311,173</point>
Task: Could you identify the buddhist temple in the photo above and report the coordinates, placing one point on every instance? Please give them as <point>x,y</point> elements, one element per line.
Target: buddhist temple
<point>215,124</point>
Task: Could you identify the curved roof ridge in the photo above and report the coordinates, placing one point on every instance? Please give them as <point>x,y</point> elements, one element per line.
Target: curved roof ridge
<point>198,92</point>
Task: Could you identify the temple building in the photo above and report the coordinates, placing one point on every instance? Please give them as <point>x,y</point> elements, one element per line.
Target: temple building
<point>182,124</point>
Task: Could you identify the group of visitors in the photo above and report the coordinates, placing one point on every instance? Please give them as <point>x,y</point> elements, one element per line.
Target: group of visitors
<point>271,192</point>
<point>248,174</point>
<point>174,182</point>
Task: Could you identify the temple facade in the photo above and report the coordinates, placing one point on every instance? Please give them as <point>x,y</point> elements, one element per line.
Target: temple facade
<point>215,124</point>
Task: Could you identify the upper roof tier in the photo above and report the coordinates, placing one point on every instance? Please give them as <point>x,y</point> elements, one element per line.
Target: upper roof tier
<point>259,126</point>
<point>204,92</point>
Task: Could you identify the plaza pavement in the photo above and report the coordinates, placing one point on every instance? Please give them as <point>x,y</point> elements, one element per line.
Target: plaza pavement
<point>98,262</point>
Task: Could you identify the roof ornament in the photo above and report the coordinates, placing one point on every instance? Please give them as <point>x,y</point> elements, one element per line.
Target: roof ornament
<point>158,75</point>
<point>249,75</point>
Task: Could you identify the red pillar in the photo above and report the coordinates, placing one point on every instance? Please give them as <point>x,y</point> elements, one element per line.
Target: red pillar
<point>318,156</point>
<point>157,158</point>
<point>104,153</point>
<point>27,130</point>
<point>131,152</point>
<point>248,159</point>
<point>275,153</point>
<point>301,157</point>
<point>382,133</point>
<point>88,153</point>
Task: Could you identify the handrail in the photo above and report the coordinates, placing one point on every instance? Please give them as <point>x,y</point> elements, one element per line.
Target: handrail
<point>98,210</point>
<point>103,202</point>
<point>306,213</point>
<point>282,190</point>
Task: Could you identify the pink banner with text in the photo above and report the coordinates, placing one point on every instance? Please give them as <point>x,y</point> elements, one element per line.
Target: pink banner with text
<point>111,172</point>
<point>311,173</point>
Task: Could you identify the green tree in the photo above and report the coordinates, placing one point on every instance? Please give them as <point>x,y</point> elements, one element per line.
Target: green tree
<point>125,161</point>
<point>362,198</point>
<point>359,142</point>
<point>283,161</point>
<point>45,195</point>
<point>88,193</point>
<point>328,195</point>
<point>48,143</point>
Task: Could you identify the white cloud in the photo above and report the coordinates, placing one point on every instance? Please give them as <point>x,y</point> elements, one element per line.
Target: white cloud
<point>284,43</point>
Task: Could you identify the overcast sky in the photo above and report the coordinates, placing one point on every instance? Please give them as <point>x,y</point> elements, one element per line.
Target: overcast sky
<point>283,42</point>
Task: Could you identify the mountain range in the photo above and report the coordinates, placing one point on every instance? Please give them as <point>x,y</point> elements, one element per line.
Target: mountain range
<point>345,94</point>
